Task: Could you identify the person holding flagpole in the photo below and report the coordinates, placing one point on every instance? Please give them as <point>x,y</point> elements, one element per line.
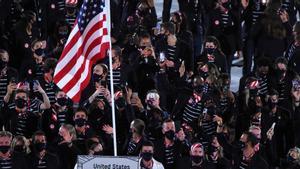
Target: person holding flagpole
<point>88,43</point>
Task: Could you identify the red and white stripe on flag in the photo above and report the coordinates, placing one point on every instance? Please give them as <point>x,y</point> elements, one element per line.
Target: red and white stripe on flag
<point>88,42</point>
<point>72,2</point>
<point>254,84</point>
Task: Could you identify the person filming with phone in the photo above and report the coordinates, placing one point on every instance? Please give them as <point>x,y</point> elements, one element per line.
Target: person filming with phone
<point>21,113</point>
<point>8,75</point>
<point>146,70</point>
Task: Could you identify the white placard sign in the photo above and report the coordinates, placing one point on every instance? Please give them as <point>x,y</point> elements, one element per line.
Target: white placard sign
<point>107,162</point>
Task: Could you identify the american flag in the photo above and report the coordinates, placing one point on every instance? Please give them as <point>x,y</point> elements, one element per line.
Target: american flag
<point>88,42</point>
<point>71,2</point>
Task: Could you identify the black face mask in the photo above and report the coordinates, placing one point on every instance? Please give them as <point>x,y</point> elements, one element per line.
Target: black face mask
<point>165,37</point>
<point>142,47</point>
<point>4,149</point>
<point>209,51</point>
<point>263,74</point>
<point>204,75</point>
<point>2,64</point>
<point>19,148</point>
<point>170,135</point>
<point>280,72</point>
<point>121,103</point>
<point>226,5</point>
<point>198,89</point>
<point>62,101</point>
<point>211,110</point>
<point>196,159</point>
<point>80,122</point>
<point>71,10</point>
<point>98,112</point>
<point>40,146</point>
<point>130,132</point>
<point>253,92</point>
<point>60,138</point>
<point>20,103</point>
<point>96,77</point>
<point>39,51</point>
<point>272,105</point>
<point>147,156</point>
<point>241,145</point>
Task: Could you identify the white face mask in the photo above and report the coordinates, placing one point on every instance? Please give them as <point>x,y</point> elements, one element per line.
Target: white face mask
<point>152,96</point>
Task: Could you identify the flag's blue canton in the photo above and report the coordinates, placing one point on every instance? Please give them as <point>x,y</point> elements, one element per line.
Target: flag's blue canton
<point>89,9</point>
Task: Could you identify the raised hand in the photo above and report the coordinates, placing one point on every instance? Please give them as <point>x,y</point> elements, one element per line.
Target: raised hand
<point>284,16</point>
<point>107,129</point>
<point>11,88</point>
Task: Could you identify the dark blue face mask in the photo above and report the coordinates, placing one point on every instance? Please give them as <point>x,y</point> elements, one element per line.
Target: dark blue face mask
<point>290,159</point>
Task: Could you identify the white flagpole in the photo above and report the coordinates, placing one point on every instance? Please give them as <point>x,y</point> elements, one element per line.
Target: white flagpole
<point>111,80</point>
